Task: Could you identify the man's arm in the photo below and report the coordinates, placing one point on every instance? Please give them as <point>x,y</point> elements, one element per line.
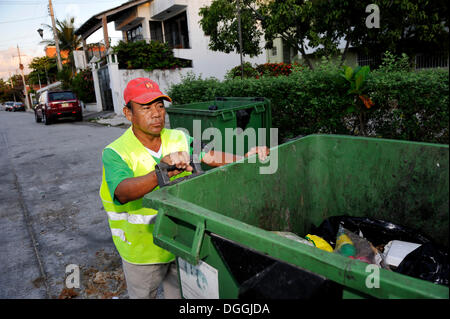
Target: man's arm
<point>136,187</point>
<point>216,158</point>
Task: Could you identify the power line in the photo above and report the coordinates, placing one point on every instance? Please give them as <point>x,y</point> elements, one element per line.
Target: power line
<point>34,3</point>
<point>21,20</point>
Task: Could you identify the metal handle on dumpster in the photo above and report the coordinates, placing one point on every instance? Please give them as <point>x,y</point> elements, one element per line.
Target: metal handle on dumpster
<point>169,242</point>
<point>226,116</point>
<point>162,173</point>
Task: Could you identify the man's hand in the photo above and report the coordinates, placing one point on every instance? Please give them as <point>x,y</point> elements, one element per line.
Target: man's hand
<point>262,152</point>
<point>181,160</point>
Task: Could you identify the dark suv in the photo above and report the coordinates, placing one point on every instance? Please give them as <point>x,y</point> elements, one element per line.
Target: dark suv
<point>57,104</point>
<point>18,106</point>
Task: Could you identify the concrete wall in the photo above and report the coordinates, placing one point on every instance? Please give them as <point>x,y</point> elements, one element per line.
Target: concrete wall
<point>120,78</point>
<point>92,107</point>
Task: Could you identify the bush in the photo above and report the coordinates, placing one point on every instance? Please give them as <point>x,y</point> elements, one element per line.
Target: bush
<point>266,69</point>
<point>408,105</point>
<point>249,72</point>
<point>274,69</point>
<point>148,56</point>
<point>83,86</point>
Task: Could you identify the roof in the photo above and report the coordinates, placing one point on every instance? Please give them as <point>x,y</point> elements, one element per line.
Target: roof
<point>95,22</point>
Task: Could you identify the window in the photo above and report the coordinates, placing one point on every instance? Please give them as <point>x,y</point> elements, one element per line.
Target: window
<point>274,51</point>
<point>176,31</point>
<point>135,34</point>
<point>61,96</point>
<point>156,33</point>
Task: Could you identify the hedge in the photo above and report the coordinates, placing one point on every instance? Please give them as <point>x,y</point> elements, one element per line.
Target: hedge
<point>408,105</point>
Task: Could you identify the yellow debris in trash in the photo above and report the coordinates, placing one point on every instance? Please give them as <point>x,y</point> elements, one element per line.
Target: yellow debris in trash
<point>319,242</point>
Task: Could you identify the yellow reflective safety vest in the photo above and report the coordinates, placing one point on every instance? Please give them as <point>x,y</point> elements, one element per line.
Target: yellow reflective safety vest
<point>132,224</point>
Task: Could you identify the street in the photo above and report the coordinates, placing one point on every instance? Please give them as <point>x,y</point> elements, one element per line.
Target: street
<point>51,215</point>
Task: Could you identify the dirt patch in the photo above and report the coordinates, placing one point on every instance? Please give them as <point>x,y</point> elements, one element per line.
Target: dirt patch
<point>38,282</point>
<point>105,279</point>
<point>67,293</point>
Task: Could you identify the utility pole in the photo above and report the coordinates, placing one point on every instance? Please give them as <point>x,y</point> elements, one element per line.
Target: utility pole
<point>55,35</point>
<point>25,91</point>
<point>12,85</point>
<point>240,36</point>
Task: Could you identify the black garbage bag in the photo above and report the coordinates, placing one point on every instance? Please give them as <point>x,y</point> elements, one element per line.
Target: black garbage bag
<point>427,262</point>
<point>378,232</point>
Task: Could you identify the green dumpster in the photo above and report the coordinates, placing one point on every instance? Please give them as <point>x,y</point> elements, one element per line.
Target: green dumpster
<point>218,224</point>
<point>246,113</point>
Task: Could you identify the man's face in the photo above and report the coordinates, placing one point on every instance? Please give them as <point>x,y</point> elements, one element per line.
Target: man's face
<point>149,118</point>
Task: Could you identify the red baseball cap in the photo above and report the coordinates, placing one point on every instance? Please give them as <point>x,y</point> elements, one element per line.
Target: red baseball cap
<point>143,91</point>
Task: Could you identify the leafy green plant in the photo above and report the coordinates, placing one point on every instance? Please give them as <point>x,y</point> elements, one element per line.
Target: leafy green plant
<point>393,63</point>
<point>82,85</point>
<point>410,105</point>
<point>249,71</point>
<point>65,76</point>
<point>148,56</point>
<point>357,78</point>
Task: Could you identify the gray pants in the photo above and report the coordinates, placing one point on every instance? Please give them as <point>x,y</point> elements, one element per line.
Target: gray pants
<point>143,280</point>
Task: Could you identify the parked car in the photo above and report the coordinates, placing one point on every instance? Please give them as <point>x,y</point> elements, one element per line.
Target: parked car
<point>9,106</point>
<point>54,105</point>
<point>18,106</point>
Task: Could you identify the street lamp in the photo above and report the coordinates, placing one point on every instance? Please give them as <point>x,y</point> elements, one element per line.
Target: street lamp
<point>41,32</point>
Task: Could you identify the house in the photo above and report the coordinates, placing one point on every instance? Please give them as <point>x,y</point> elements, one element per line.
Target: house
<point>175,22</point>
<point>50,51</point>
<point>281,52</point>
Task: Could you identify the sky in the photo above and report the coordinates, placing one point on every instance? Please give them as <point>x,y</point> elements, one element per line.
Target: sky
<point>20,20</point>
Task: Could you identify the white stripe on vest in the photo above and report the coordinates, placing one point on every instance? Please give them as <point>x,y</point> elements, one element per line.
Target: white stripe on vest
<point>119,233</point>
<point>136,219</point>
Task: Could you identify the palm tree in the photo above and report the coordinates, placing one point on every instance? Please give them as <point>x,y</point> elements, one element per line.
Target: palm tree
<point>68,40</point>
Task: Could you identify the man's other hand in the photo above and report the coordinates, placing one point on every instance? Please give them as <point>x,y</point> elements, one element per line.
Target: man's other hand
<point>181,160</point>
<point>262,152</point>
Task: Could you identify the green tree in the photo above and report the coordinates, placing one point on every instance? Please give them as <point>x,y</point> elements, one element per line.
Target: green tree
<point>68,40</point>
<point>219,21</point>
<point>43,68</point>
<point>406,26</point>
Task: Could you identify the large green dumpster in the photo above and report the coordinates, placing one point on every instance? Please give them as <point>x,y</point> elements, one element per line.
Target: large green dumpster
<point>221,221</point>
<point>246,113</point>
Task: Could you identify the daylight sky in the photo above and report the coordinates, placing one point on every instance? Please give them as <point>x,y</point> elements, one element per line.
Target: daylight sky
<point>20,20</point>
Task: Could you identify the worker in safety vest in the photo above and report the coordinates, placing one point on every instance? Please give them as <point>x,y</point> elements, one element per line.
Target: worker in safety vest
<point>129,173</point>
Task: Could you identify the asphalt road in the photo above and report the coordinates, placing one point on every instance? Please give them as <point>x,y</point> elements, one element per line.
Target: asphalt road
<point>50,213</point>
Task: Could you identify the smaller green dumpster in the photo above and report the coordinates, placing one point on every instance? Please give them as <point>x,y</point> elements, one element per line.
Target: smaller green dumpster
<point>219,224</point>
<point>242,116</point>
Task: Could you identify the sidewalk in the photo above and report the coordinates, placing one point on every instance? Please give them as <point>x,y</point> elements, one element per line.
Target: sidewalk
<point>107,118</point>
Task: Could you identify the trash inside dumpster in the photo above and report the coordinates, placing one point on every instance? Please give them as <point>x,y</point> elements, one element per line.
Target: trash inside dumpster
<point>228,219</point>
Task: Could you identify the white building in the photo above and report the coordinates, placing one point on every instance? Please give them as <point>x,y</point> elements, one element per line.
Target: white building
<point>175,22</point>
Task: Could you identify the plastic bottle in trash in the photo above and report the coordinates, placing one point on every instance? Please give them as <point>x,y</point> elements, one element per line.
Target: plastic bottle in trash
<point>344,244</point>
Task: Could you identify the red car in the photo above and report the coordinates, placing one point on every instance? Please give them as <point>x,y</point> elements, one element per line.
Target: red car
<point>54,105</point>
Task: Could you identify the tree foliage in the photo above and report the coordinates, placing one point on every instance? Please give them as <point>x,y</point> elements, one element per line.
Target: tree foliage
<point>324,26</point>
<point>219,21</point>
<point>43,69</point>
<point>68,40</point>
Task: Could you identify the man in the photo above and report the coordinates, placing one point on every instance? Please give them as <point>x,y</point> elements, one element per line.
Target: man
<point>129,173</point>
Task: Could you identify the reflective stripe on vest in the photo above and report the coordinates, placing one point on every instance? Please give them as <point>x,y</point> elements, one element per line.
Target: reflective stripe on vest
<point>132,218</point>
<point>132,224</point>
<point>120,233</point>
